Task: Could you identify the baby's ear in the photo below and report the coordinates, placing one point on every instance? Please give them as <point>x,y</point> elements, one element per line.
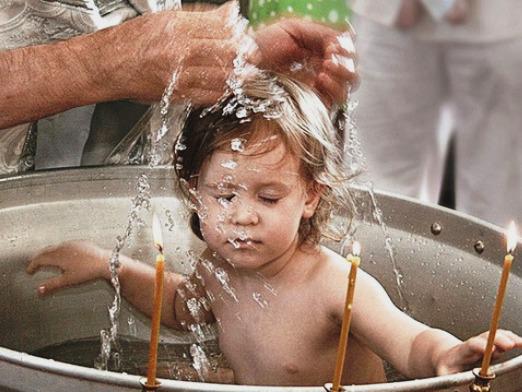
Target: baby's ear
<point>314,192</point>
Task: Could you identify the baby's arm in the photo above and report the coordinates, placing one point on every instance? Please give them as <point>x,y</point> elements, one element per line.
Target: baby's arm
<point>82,261</point>
<point>465,355</point>
<point>413,348</point>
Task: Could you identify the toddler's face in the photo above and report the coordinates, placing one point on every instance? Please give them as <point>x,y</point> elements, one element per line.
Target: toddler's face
<point>252,205</point>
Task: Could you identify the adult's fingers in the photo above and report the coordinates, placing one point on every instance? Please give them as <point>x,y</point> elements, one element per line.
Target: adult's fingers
<point>332,90</point>
<point>477,344</point>
<point>311,35</point>
<point>507,340</point>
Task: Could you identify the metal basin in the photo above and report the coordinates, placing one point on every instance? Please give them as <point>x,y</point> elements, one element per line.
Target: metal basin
<point>447,283</point>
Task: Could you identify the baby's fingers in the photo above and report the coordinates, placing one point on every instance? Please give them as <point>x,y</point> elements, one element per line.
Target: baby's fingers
<point>476,346</point>
<point>52,285</point>
<point>507,340</point>
<point>39,260</point>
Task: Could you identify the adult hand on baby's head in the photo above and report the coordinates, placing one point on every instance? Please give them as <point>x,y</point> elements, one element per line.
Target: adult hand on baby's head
<point>79,262</point>
<point>466,354</point>
<point>329,54</point>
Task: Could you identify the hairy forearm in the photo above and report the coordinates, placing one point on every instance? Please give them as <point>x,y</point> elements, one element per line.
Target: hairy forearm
<point>426,351</point>
<point>134,60</point>
<point>38,81</point>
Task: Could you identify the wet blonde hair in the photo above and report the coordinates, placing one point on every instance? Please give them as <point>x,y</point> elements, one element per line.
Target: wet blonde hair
<point>269,104</point>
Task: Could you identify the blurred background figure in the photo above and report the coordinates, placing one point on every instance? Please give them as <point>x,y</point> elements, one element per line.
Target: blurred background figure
<point>421,61</point>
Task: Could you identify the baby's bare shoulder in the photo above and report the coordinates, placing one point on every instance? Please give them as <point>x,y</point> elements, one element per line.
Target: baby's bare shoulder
<point>333,262</point>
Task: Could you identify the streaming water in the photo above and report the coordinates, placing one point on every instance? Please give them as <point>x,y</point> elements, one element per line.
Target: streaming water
<point>200,361</point>
<point>388,244</point>
<point>355,165</point>
<point>109,352</point>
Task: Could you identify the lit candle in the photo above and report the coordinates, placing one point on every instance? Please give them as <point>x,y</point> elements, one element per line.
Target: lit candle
<point>508,259</point>
<point>156,311</point>
<point>355,260</point>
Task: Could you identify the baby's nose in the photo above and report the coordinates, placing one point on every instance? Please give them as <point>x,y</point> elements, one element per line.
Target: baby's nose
<point>244,215</point>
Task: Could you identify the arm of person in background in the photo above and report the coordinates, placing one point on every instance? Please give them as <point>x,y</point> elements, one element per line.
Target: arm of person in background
<point>135,60</point>
<point>81,262</point>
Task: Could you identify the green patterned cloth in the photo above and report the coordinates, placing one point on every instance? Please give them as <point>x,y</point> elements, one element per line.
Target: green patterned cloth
<point>331,12</point>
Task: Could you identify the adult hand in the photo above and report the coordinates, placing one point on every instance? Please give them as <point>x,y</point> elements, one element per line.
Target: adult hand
<point>201,46</point>
<point>464,355</point>
<point>78,261</point>
<point>134,60</point>
<point>327,55</point>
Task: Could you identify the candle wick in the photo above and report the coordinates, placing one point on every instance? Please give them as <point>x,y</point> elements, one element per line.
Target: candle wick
<point>160,248</point>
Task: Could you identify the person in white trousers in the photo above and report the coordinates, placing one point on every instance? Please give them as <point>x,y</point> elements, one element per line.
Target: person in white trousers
<point>413,60</point>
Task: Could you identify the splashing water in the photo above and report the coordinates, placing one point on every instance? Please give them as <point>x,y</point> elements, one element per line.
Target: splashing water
<point>109,345</point>
<point>170,220</point>
<point>200,362</point>
<point>131,322</point>
<point>229,164</point>
<point>296,67</point>
<point>388,244</point>
<point>223,278</point>
<point>160,149</point>
<point>237,144</point>
<point>199,332</point>
<point>194,307</point>
<point>353,153</point>
<point>234,243</point>
<point>258,298</point>
<point>356,164</point>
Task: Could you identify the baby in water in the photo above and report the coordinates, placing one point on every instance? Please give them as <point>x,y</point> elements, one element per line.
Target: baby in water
<point>262,192</point>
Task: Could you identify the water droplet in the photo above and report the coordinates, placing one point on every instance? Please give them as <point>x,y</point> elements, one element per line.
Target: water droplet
<point>229,164</point>
<point>259,300</point>
<point>296,66</point>
<point>237,144</point>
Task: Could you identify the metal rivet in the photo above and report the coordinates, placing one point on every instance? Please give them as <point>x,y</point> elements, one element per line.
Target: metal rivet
<point>436,228</point>
<point>479,246</point>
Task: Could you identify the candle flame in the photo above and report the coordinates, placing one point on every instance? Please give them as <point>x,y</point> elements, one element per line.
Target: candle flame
<point>356,248</point>
<point>511,237</point>
<point>156,232</point>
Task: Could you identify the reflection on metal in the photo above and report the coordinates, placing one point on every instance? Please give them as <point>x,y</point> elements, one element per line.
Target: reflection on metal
<point>479,246</point>
<point>447,284</point>
<point>436,228</point>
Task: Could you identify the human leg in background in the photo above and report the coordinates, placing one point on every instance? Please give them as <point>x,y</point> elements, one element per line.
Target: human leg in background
<point>487,91</point>
<point>401,93</point>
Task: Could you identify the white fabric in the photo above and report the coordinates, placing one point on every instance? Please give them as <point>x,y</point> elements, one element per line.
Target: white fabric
<point>489,20</point>
<point>406,81</point>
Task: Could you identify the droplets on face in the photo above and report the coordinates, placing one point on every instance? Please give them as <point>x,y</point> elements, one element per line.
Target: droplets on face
<point>238,145</point>
<point>230,164</point>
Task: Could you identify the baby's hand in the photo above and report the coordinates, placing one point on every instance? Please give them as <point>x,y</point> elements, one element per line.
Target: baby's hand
<point>464,355</point>
<point>79,262</point>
